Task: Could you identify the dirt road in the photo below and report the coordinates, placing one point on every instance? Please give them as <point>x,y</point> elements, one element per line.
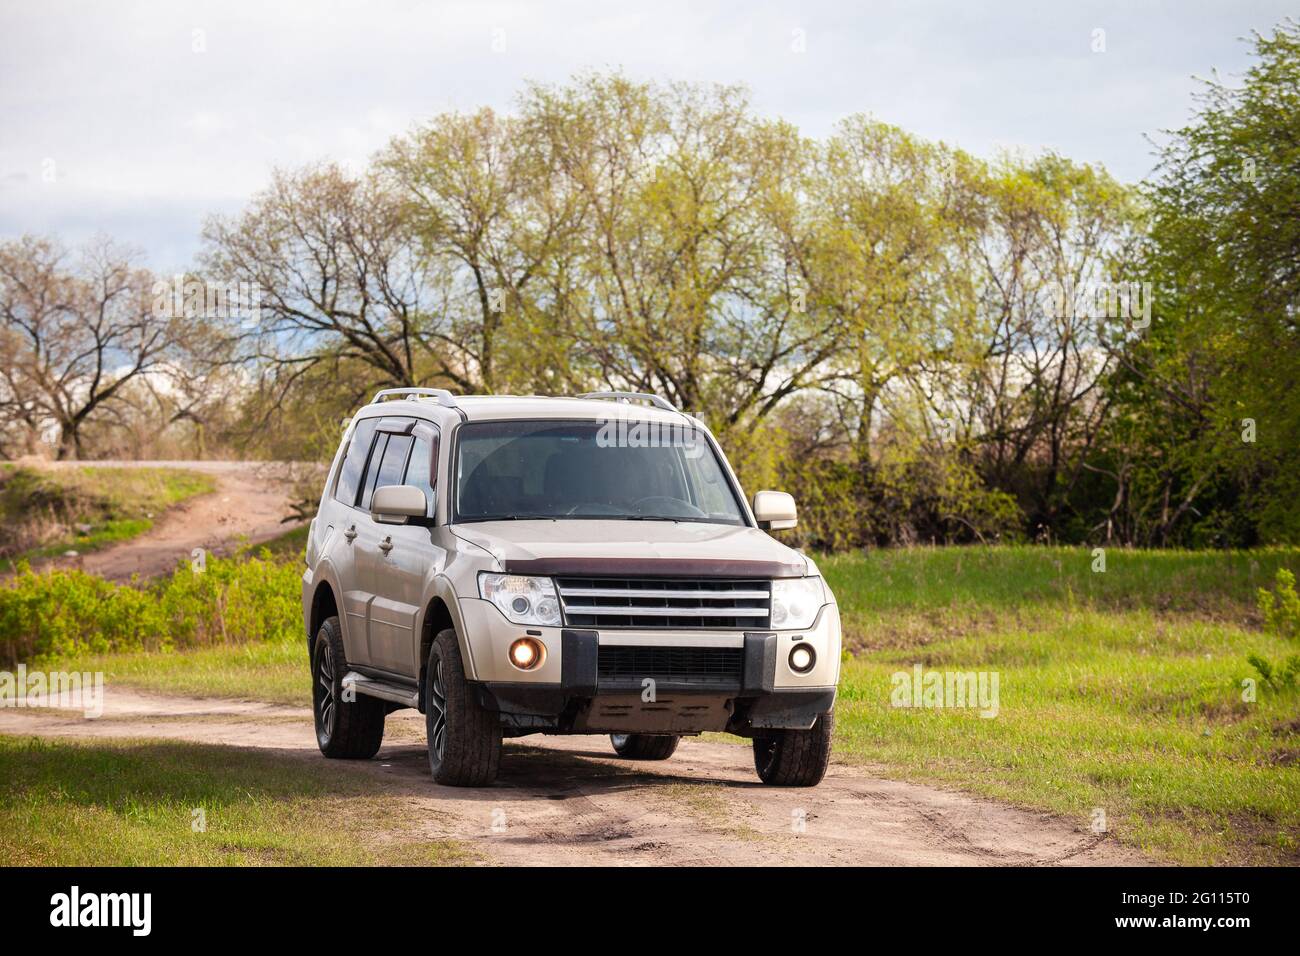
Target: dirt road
<point>570,801</point>
<point>250,501</point>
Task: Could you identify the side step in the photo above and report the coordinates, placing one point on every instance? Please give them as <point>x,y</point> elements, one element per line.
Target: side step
<point>396,693</point>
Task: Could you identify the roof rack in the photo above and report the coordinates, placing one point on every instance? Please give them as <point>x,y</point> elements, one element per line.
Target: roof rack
<point>443,396</point>
<point>656,400</point>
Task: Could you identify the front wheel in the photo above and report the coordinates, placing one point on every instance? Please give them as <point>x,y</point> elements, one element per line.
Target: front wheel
<point>644,746</point>
<point>348,729</point>
<point>795,758</point>
<point>464,739</point>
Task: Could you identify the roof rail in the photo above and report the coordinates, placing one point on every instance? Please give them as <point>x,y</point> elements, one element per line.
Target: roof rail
<point>443,396</point>
<point>656,400</point>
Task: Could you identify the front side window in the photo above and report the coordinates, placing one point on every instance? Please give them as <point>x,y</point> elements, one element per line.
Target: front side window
<point>420,469</point>
<point>576,470</point>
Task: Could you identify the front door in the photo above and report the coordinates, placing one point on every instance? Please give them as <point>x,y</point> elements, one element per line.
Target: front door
<point>404,556</point>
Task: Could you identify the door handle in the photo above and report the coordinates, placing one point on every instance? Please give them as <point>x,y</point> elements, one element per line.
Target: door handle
<point>350,533</point>
<point>386,545</point>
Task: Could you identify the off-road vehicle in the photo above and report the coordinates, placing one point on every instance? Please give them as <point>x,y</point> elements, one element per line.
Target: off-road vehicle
<point>522,565</point>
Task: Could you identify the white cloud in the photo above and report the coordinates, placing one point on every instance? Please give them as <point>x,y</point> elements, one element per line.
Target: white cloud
<point>146,135</point>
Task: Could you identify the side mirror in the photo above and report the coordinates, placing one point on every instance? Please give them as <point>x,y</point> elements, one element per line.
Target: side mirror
<point>774,510</point>
<point>395,504</point>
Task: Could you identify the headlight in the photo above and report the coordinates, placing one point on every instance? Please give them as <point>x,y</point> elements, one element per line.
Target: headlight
<point>521,599</point>
<point>796,601</point>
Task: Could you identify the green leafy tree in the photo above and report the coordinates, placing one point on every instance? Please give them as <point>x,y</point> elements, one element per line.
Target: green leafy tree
<point>1206,442</point>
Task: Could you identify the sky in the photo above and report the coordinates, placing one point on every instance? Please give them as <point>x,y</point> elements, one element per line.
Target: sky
<point>139,119</point>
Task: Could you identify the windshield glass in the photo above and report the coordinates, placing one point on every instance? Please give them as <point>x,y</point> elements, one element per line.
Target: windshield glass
<point>579,469</point>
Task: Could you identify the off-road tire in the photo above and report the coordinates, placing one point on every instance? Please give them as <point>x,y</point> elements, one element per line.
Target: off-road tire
<point>645,746</point>
<point>346,730</point>
<point>464,739</point>
<point>795,758</point>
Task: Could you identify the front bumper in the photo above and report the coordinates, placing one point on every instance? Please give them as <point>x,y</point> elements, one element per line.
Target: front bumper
<point>487,635</point>
<point>568,694</point>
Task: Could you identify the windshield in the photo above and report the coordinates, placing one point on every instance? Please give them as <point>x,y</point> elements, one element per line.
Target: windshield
<point>560,469</point>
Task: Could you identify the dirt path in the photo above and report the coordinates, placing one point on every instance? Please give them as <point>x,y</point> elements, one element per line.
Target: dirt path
<point>250,500</point>
<point>570,801</point>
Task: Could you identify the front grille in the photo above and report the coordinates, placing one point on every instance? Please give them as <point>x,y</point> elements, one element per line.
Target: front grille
<point>689,666</point>
<point>665,603</point>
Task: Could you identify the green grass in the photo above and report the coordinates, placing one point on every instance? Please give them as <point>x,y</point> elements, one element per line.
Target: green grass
<point>1118,691</point>
<point>273,671</point>
<point>1028,575</point>
<point>132,803</point>
<point>292,545</point>
<point>40,508</point>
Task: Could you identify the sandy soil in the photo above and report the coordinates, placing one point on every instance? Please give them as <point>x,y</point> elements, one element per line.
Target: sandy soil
<point>570,801</point>
<point>250,501</point>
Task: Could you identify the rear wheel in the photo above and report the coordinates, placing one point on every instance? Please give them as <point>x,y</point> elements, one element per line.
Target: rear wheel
<point>347,729</point>
<point>644,746</point>
<point>795,758</point>
<point>464,739</point>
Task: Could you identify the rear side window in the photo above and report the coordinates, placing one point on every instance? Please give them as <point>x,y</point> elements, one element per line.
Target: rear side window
<point>354,463</point>
<point>389,466</point>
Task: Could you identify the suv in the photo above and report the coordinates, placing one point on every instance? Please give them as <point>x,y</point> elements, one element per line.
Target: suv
<point>520,565</point>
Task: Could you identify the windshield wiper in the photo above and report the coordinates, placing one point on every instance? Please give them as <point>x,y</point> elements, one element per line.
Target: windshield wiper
<point>517,517</point>
<point>653,518</point>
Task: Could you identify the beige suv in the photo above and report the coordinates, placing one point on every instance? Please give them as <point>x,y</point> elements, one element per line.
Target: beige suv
<point>514,566</point>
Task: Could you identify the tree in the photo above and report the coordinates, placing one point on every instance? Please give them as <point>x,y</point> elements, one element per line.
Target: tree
<point>76,336</point>
<point>1209,427</point>
<point>477,194</point>
<point>680,279</point>
<point>341,279</point>
<point>1057,280</point>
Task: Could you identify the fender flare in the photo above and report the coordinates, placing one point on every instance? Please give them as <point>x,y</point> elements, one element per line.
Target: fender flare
<point>441,587</point>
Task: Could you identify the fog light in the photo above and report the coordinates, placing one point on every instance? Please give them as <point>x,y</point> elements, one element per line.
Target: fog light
<point>526,653</point>
<point>802,659</point>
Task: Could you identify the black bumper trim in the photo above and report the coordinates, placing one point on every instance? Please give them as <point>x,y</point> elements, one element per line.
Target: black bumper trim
<point>790,709</point>
<point>759,675</point>
<point>578,653</point>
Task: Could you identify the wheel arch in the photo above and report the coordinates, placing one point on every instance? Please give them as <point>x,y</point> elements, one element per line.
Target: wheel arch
<point>324,604</point>
<point>441,612</point>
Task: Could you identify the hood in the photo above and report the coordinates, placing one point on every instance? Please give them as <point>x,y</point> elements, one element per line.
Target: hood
<point>618,547</point>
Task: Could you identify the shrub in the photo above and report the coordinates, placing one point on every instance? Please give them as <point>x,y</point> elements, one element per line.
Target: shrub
<point>1281,611</point>
<point>1281,676</point>
<point>65,612</point>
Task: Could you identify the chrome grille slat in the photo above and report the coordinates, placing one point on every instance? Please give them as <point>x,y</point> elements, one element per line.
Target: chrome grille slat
<point>639,592</point>
<point>671,611</point>
<point>662,603</point>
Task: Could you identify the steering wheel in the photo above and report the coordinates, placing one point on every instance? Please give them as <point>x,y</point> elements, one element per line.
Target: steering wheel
<point>668,507</point>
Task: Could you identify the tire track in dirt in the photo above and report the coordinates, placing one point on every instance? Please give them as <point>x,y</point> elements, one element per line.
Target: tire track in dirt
<point>571,801</point>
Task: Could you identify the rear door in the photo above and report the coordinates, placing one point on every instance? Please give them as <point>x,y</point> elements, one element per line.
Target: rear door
<point>342,530</point>
<point>392,441</point>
